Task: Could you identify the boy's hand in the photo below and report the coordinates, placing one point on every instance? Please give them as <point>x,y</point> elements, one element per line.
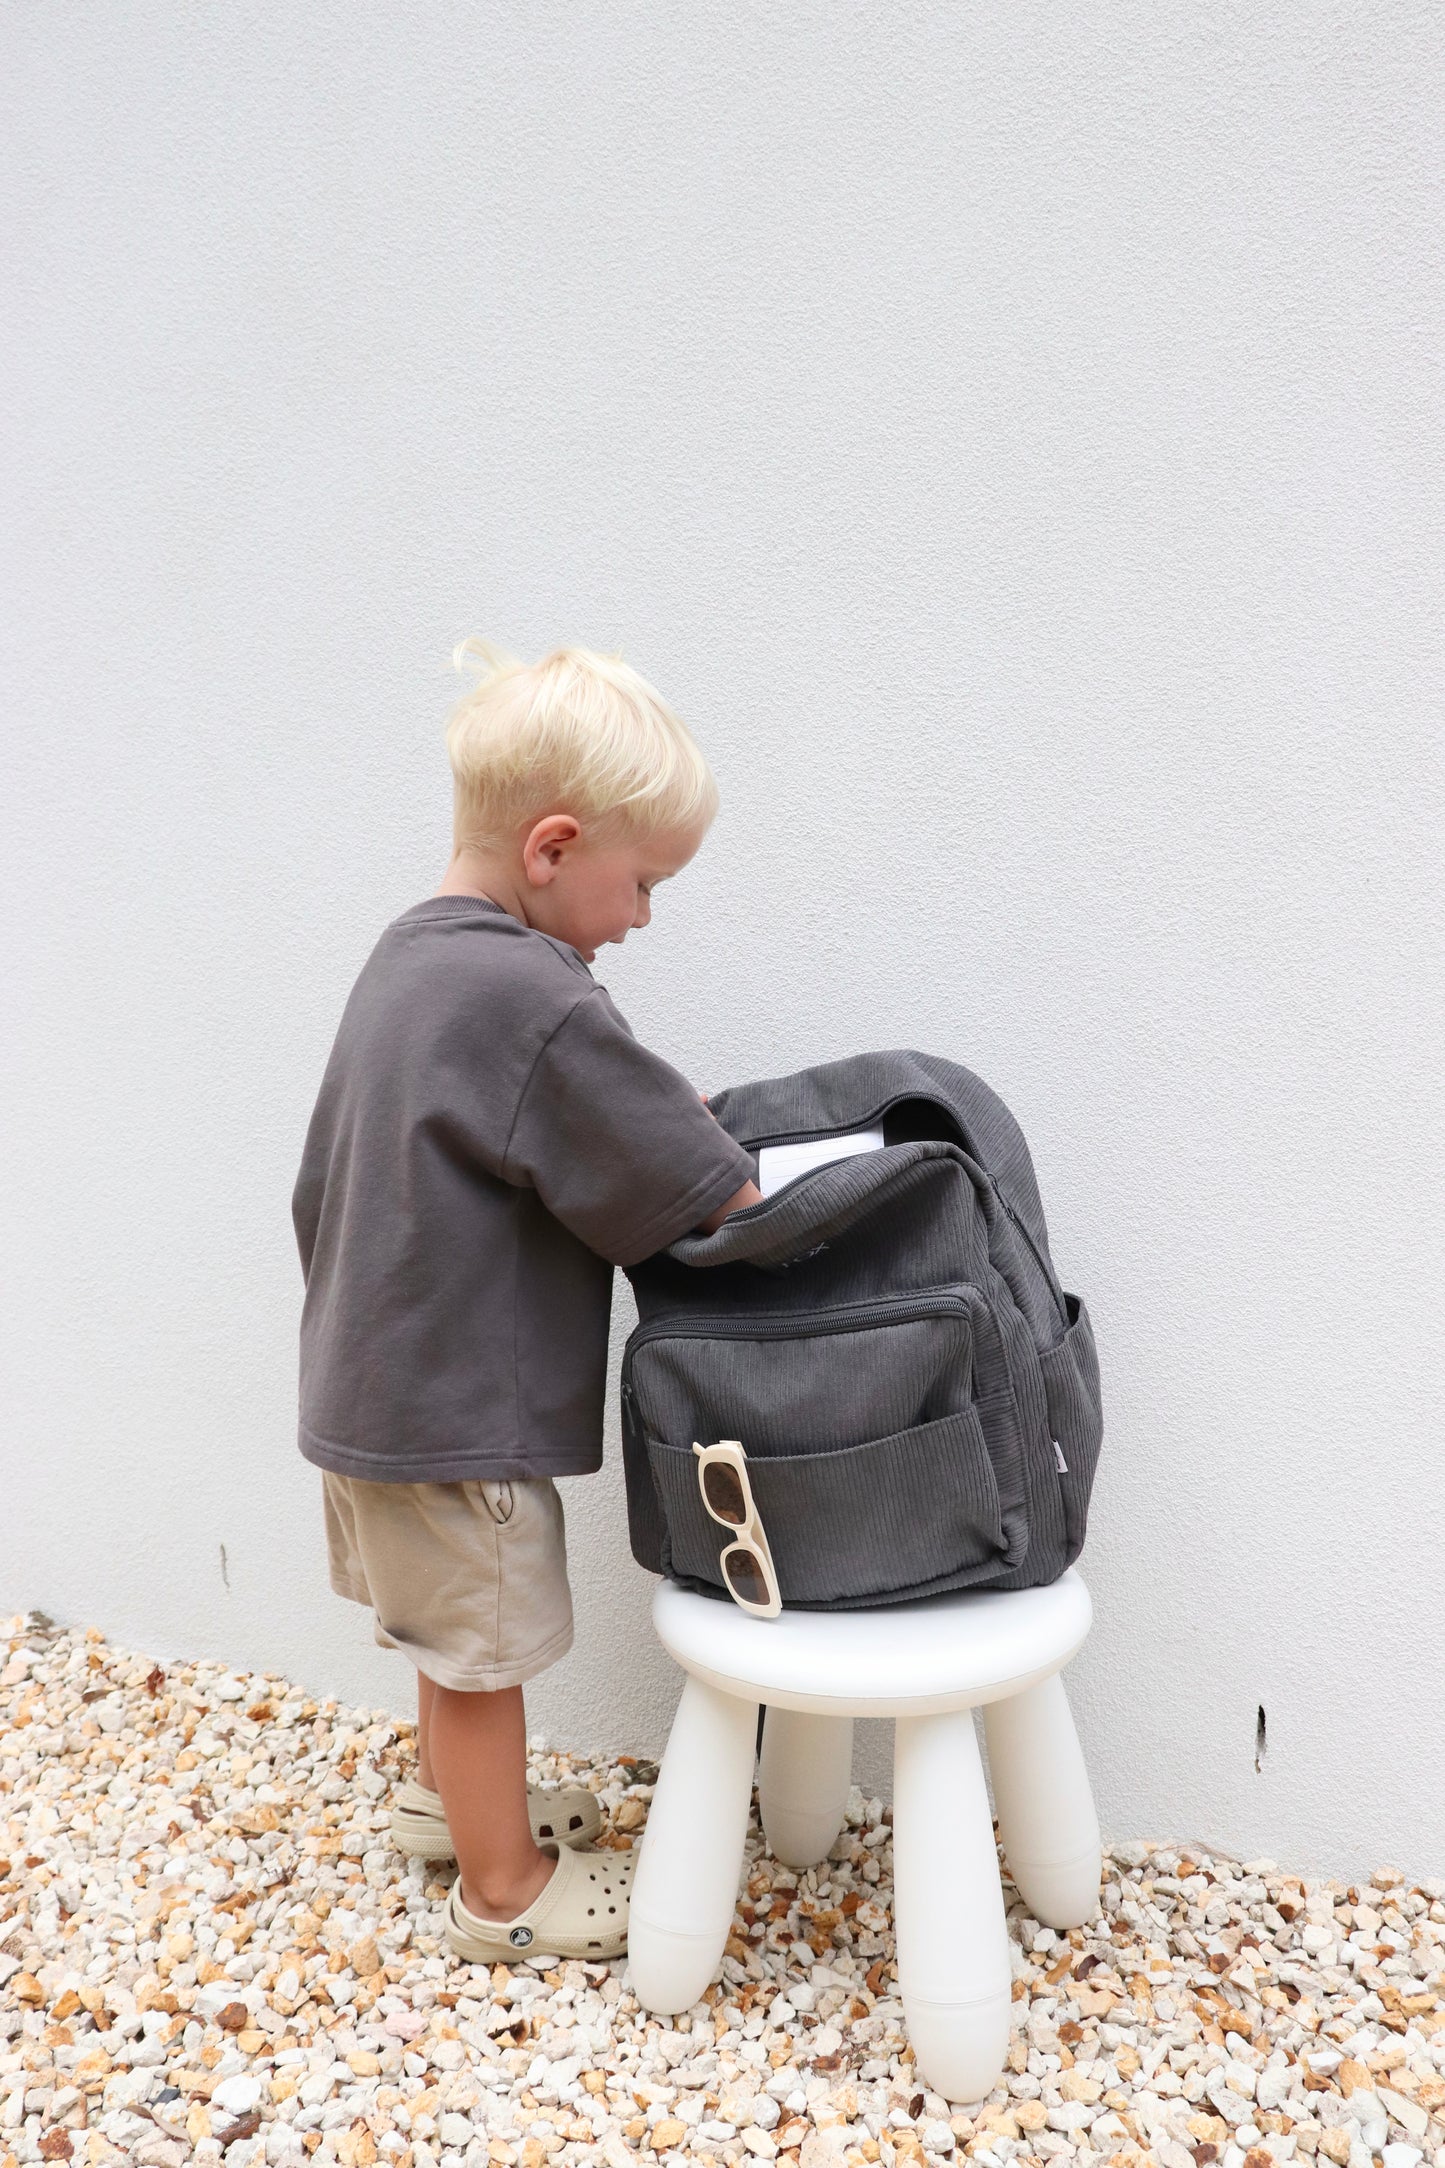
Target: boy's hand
<point>748,1194</point>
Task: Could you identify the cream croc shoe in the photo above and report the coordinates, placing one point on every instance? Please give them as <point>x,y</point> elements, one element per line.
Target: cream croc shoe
<point>419,1826</point>
<point>582,1912</point>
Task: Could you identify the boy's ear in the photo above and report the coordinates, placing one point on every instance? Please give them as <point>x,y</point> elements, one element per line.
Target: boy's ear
<point>547,845</point>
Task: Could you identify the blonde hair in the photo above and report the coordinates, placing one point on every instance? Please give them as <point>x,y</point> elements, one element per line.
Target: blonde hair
<point>576,733</point>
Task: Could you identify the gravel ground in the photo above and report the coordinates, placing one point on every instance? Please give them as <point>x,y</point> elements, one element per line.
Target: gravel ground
<point>208,1951</point>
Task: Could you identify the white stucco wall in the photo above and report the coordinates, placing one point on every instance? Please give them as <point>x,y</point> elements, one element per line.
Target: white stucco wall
<point>1012,435</point>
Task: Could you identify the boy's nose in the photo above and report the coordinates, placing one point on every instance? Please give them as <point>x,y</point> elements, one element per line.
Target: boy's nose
<point>643,913</point>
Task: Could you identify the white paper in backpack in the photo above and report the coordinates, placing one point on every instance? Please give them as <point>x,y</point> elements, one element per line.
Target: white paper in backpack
<point>780,1163</point>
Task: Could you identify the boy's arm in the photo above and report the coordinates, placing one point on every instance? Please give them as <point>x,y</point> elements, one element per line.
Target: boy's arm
<point>615,1143</point>
<point>748,1194</point>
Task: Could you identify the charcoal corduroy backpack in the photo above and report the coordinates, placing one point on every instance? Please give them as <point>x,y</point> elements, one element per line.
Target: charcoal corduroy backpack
<point>917,1394</point>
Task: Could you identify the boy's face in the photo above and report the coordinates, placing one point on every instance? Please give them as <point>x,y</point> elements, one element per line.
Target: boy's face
<point>589,888</point>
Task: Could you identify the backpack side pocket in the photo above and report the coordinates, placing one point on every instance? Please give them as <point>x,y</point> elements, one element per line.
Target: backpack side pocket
<point>1076,1422</point>
<point>646,1519</point>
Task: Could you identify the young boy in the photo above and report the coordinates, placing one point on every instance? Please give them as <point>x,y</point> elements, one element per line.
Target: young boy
<point>489,1142</point>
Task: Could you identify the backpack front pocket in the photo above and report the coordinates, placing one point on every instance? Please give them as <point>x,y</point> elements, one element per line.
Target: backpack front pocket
<point>869,1465</point>
<point>874,1519</point>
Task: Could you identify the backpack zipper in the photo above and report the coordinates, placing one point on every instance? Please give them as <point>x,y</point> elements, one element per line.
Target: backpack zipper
<point>808,1136</point>
<point>801,1324</point>
<point>835,1129</point>
<point>1039,1259</point>
<point>749,1211</point>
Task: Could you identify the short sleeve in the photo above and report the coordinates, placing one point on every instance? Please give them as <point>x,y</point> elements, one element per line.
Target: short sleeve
<point>616,1142</point>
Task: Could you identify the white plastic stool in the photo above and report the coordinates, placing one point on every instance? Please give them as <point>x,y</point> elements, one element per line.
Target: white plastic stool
<point>928,1665</point>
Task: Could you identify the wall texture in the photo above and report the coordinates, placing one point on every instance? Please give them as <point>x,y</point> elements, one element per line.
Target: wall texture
<point>1012,435</point>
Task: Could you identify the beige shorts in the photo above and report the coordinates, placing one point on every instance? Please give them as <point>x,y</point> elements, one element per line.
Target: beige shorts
<point>469,1580</point>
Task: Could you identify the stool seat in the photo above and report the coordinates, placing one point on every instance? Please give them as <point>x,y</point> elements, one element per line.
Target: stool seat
<point>928,1665</point>
<point>908,1659</point>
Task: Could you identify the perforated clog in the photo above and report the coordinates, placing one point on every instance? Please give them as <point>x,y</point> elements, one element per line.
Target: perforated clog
<point>582,1912</point>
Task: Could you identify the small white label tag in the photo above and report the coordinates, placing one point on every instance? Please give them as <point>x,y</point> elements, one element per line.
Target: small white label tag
<point>1063,1465</point>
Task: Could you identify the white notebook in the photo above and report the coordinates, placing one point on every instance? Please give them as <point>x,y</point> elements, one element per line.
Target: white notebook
<point>780,1163</point>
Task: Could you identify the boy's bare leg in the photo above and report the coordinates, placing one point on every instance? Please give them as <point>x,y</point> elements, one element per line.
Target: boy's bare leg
<point>476,1747</point>
<point>424,1771</point>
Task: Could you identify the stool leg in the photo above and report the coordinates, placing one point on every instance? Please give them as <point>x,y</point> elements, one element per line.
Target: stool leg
<point>1045,1806</point>
<point>685,1887</point>
<point>803,1779</point>
<point>953,1963</point>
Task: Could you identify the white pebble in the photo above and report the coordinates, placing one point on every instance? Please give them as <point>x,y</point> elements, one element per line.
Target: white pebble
<point>238,2095</point>
<point>1070,2115</point>
<point>215,1996</point>
<point>1408,2113</point>
<point>91,1848</point>
<point>1273,2086</point>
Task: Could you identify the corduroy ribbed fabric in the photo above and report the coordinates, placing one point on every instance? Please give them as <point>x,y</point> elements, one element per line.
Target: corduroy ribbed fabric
<point>917,1393</point>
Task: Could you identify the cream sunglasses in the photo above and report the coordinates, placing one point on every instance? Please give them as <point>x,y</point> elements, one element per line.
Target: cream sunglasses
<point>747,1563</point>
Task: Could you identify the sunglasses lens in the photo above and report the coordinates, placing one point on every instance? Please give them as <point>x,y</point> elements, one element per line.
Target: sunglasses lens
<point>744,1575</point>
<point>725,1492</point>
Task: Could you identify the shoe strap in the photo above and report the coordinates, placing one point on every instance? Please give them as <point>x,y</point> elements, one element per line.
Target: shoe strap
<point>414,1798</point>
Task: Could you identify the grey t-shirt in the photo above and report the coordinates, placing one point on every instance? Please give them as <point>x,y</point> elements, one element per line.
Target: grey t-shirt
<point>488,1142</point>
